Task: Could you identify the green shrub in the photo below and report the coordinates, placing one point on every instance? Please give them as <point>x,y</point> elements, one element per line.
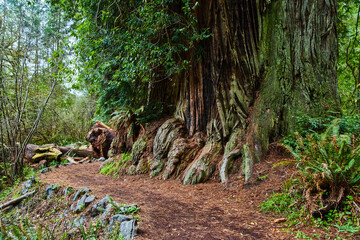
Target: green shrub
<point>328,164</point>
<point>325,190</point>
<point>307,125</point>
<point>91,233</point>
<point>23,229</point>
<point>115,166</point>
<point>284,203</point>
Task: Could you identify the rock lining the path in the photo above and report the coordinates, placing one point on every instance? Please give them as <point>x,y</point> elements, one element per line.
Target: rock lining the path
<point>80,192</point>
<point>95,209</point>
<point>45,170</point>
<point>118,218</point>
<point>50,190</point>
<point>128,229</point>
<point>28,185</point>
<point>110,210</point>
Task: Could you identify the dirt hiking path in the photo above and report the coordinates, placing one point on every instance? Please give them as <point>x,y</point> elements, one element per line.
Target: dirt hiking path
<point>170,210</point>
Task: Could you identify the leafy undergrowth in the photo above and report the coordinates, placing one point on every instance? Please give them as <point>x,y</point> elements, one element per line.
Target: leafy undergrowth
<point>326,190</point>
<point>116,166</point>
<point>41,218</point>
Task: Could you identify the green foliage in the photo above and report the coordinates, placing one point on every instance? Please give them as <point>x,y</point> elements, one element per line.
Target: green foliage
<point>115,166</point>
<point>308,125</point>
<point>5,192</point>
<point>129,210</point>
<point>15,187</point>
<point>92,232</point>
<point>67,118</point>
<point>123,208</point>
<point>23,229</point>
<point>115,234</point>
<point>124,45</point>
<point>289,203</point>
<point>292,204</point>
<point>154,111</point>
<point>326,186</point>
<point>35,64</point>
<point>328,161</point>
<point>349,50</point>
<point>57,163</point>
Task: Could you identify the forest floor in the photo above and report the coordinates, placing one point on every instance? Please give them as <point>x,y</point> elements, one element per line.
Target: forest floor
<point>170,210</point>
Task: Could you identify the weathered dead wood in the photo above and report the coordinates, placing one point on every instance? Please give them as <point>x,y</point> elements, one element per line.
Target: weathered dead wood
<point>50,153</point>
<point>76,152</point>
<point>16,200</point>
<point>100,136</point>
<point>84,160</point>
<point>71,160</point>
<point>32,150</point>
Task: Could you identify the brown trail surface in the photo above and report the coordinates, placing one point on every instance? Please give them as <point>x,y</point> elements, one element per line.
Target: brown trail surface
<point>170,210</point>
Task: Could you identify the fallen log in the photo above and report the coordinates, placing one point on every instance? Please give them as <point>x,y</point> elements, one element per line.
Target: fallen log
<point>35,153</point>
<point>30,151</point>
<point>76,152</point>
<point>71,160</point>
<point>49,153</point>
<point>16,200</point>
<point>84,160</point>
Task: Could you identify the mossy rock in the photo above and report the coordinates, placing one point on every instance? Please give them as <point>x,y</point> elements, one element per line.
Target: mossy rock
<point>204,166</point>
<point>171,130</point>
<point>138,149</point>
<point>143,166</point>
<point>131,170</point>
<point>182,152</point>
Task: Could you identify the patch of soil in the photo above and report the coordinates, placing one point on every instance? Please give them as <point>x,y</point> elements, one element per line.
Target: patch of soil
<point>170,210</point>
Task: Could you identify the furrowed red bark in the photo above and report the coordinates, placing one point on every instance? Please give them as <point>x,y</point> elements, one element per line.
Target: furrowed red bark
<point>265,62</point>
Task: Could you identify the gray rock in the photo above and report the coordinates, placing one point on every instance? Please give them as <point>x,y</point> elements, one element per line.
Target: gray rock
<point>86,189</point>
<point>45,170</point>
<point>89,199</point>
<point>109,210</point>
<point>102,159</point>
<point>99,207</point>
<point>66,213</point>
<point>118,218</point>
<point>65,164</point>
<point>138,149</point>
<point>72,207</point>
<point>80,206</point>
<point>50,190</point>
<point>79,221</point>
<point>88,161</point>
<point>128,229</point>
<point>80,192</point>
<point>68,190</point>
<point>28,184</point>
<point>107,213</point>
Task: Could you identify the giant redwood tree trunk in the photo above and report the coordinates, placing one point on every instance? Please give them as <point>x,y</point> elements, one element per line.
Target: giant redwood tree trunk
<point>266,61</point>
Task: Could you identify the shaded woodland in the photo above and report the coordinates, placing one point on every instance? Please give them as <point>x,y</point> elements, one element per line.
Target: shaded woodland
<point>195,91</point>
